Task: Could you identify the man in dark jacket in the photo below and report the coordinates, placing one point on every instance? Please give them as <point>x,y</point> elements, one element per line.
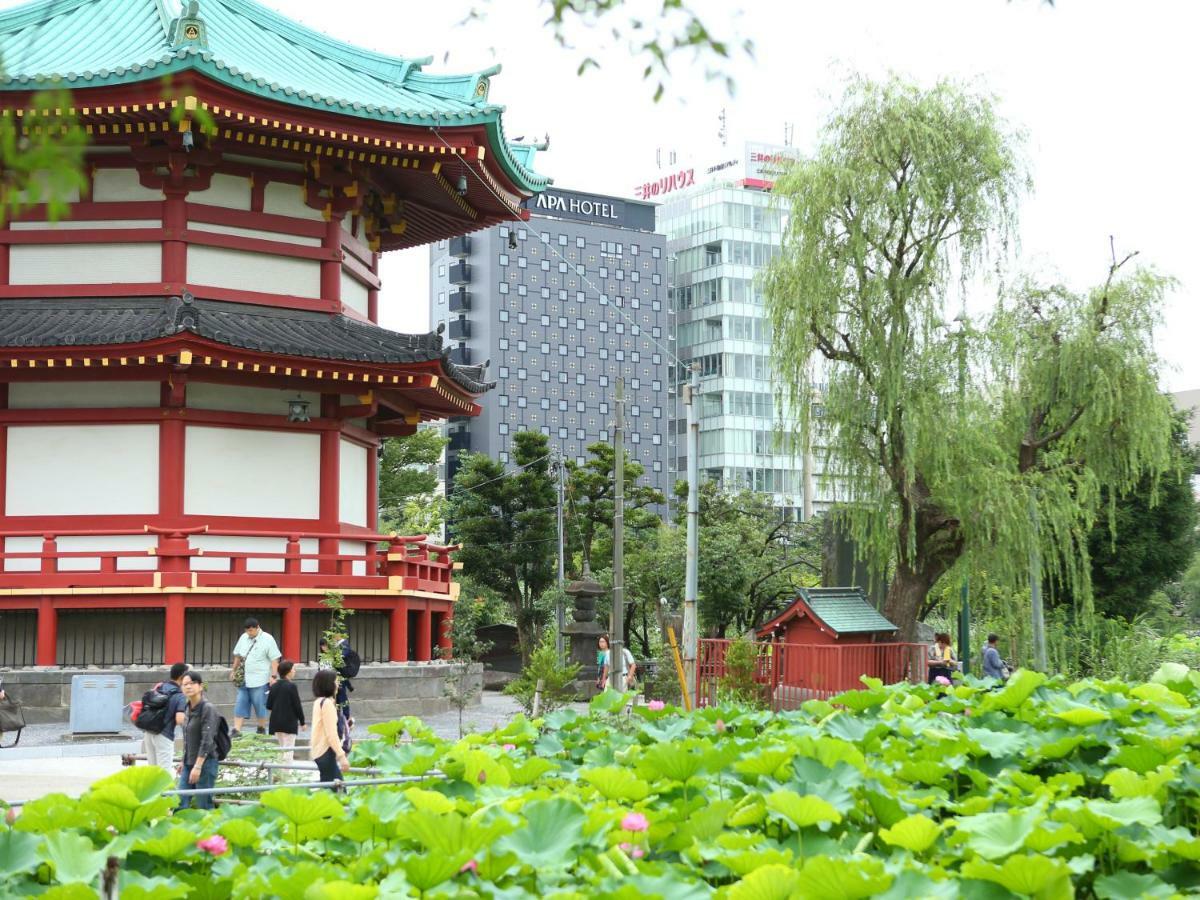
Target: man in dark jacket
<point>160,747</point>
<point>199,768</point>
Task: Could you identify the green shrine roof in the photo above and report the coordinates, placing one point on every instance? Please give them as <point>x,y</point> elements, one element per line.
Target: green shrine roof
<point>845,610</point>
<point>92,43</point>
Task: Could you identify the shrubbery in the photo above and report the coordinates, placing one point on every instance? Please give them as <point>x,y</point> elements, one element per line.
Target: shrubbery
<point>1040,788</point>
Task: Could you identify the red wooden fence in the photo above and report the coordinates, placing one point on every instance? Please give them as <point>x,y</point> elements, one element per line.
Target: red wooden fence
<point>789,674</point>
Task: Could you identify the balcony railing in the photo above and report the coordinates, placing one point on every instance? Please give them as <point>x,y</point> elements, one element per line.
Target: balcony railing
<point>211,557</point>
<point>789,674</point>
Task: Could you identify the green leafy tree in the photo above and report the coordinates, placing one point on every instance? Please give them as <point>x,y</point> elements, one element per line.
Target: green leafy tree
<point>41,156</point>
<point>944,444</point>
<point>506,524</point>
<point>591,494</point>
<point>1149,541</point>
<point>408,481</point>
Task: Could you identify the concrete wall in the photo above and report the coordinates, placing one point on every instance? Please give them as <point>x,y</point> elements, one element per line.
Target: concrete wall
<point>381,692</point>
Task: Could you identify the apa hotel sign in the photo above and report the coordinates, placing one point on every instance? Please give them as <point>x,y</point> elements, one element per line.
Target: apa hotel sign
<point>593,208</point>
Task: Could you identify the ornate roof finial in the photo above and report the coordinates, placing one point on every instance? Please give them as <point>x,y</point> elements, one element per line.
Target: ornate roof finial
<point>189,29</point>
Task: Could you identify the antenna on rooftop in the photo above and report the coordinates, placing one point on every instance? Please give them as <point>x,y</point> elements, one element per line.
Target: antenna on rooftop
<point>789,130</point>
<point>722,132</point>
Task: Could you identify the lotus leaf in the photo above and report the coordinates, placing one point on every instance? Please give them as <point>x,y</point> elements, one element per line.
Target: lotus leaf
<point>551,830</point>
<point>616,783</point>
<point>1132,886</point>
<point>916,833</point>
<point>74,857</point>
<point>771,882</point>
<point>1042,877</point>
<point>803,811</point>
<point>842,878</point>
<point>18,852</point>
<point>993,835</point>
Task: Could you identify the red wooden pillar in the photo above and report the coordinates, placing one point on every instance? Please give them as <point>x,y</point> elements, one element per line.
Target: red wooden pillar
<point>331,267</point>
<point>331,473</point>
<point>398,631</point>
<point>291,630</point>
<point>425,633</point>
<point>174,250</point>
<point>373,490</point>
<point>373,293</point>
<point>173,637</point>
<point>47,633</point>
<point>445,645</point>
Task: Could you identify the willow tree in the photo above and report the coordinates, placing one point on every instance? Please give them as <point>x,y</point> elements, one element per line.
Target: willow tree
<point>947,444</point>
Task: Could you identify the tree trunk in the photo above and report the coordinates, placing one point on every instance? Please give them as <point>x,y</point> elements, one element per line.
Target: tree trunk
<point>905,595</point>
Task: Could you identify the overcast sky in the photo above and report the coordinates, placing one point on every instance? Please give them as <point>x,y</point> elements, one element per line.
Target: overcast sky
<point>1105,89</point>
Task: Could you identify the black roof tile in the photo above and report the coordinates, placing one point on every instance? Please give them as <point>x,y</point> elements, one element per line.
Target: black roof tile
<point>132,320</point>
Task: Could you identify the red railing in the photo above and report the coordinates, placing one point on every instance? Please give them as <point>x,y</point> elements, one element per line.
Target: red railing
<point>788,674</point>
<point>212,557</point>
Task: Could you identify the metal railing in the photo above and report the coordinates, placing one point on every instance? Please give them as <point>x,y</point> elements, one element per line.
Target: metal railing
<point>174,558</point>
<point>788,674</point>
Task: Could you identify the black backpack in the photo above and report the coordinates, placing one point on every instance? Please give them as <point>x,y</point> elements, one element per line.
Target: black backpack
<point>153,715</point>
<point>222,742</point>
<point>351,662</point>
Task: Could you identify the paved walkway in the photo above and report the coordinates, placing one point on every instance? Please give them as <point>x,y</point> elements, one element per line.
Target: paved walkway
<point>46,762</point>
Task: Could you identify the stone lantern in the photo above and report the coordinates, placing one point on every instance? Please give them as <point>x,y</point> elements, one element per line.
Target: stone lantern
<point>584,632</point>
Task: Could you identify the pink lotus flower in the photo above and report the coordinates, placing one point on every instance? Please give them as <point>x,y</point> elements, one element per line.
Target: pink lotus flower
<point>507,747</point>
<point>942,680</point>
<point>469,866</point>
<point>482,776</point>
<point>216,845</point>
<point>719,725</point>
<point>655,705</point>
<point>634,821</point>
<point>634,851</point>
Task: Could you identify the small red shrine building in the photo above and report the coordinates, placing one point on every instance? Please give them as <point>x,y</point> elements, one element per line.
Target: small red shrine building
<point>828,638</point>
<point>193,381</point>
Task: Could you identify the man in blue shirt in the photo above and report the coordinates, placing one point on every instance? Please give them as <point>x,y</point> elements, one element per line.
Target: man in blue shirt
<point>993,665</point>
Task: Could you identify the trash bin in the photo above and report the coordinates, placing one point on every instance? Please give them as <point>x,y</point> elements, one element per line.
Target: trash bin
<point>96,703</point>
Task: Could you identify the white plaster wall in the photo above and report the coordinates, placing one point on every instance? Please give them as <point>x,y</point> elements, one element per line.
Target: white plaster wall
<point>288,200</point>
<point>232,398</point>
<point>251,472</point>
<point>116,185</point>
<point>356,548</point>
<point>243,271</point>
<point>22,545</point>
<point>354,293</point>
<point>75,224</point>
<point>298,239</point>
<point>352,485</point>
<point>229,191</point>
<point>134,542</point>
<point>79,470</point>
<point>84,263</point>
<point>82,394</point>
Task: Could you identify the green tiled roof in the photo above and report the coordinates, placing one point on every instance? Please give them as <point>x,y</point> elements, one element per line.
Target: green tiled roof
<point>845,610</point>
<point>87,43</point>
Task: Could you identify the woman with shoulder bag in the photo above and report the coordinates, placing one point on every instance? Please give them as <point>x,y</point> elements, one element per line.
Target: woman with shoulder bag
<point>326,749</point>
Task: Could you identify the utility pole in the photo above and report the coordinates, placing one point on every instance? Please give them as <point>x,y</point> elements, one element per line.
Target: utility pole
<point>1035,589</point>
<point>691,585</point>
<point>616,643</point>
<point>560,612</point>
<point>964,613</point>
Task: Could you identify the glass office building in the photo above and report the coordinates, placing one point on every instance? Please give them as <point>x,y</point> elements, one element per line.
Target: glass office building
<point>719,237</point>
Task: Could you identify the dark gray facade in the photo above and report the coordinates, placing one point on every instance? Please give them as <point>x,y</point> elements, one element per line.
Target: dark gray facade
<point>561,305</point>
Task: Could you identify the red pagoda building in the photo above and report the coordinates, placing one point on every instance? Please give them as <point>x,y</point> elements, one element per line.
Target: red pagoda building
<point>193,383</point>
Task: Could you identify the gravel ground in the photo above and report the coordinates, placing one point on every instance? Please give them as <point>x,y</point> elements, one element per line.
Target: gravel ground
<point>46,760</point>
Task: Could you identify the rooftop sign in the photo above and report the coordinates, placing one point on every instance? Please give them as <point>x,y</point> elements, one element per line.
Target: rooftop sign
<point>594,208</point>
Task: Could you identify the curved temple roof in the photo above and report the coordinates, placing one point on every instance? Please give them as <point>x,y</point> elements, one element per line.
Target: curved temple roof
<point>94,322</point>
<point>86,43</point>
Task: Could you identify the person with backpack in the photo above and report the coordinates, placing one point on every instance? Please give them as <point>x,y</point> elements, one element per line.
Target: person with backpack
<point>351,664</point>
<point>287,712</point>
<point>162,709</point>
<point>330,733</point>
<point>201,737</point>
